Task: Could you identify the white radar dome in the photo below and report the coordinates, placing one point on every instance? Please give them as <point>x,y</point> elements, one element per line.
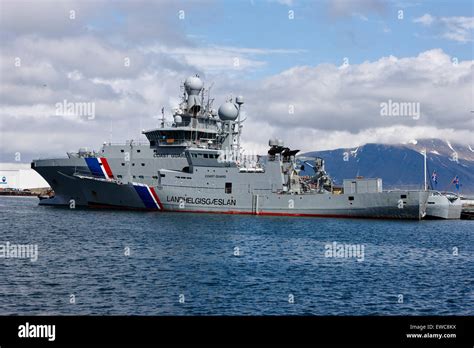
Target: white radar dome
<point>228,111</point>
<point>193,85</point>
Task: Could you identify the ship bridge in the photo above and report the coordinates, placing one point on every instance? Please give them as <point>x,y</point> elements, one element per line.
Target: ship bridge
<point>195,122</point>
<point>183,136</point>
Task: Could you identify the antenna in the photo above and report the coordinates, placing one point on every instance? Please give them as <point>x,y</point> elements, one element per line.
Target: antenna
<point>209,100</point>
<point>202,100</point>
<point>110,140</point>
<point>239,100</point>
<point>163,117</point>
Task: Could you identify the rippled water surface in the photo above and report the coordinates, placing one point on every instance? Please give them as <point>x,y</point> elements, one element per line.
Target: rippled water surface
<point>192,257</point>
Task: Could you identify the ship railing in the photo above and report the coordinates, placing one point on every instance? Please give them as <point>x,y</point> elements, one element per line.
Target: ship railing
<point>404,187</point>
<point>168,155</point>
<point>127,143</point>
<point>50,159</point>
<point>198,126</point>
<point>188,143</point>
<point>86,154</point>
<point>252,169</point>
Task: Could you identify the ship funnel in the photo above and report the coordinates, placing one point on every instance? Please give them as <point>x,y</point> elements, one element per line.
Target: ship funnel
<point>193,86</point>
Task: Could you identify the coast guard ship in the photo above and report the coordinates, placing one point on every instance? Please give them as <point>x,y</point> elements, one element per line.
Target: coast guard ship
<point>196,164</point>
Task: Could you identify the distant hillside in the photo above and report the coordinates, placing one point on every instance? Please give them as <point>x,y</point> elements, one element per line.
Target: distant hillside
<point>402,165</point>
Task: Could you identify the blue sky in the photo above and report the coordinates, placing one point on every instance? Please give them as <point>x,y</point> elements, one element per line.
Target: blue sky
<point>360,33</point>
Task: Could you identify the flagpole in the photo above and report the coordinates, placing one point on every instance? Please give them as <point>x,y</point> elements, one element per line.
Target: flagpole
<point>424,168</point>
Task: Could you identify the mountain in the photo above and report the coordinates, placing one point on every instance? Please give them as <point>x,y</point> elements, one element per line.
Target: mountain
<point>401,165</point>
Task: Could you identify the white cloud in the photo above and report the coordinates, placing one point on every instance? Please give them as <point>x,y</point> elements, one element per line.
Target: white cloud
<point>283,2</point>
<point>425,20</point>
<point>342,8</point>
<point>342,106</point>
<point>214,58</point>
<point>458,29</point>
<point>360,16</point>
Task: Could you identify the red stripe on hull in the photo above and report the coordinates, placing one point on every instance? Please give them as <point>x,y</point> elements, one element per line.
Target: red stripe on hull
<point>106,166</point>
<point>236,212</point>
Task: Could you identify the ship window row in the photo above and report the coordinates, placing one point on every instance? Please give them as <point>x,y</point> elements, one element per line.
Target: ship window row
<point>122,150</point>
<point>182,177</point>
<point>133,164</point>
<point>141,177</point>
<point>205,155</point>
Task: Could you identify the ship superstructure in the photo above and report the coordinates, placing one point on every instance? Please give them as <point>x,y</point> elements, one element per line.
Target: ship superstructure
<point>194,123</point>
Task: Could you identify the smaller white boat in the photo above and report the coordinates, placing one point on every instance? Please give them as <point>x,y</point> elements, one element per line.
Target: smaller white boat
<point>439,205</point>
<point>443,206</point>
<point>467,208</point>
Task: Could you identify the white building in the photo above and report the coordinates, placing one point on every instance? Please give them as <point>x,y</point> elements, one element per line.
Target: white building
<point>20,176</point>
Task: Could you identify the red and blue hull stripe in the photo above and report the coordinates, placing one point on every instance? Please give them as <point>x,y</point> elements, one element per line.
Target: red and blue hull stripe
<point>148,196</point>
<point>99,167</point>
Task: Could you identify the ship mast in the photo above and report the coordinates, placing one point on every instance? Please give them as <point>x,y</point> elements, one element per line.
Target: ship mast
<point>239,101</point>
<point>424,170</point>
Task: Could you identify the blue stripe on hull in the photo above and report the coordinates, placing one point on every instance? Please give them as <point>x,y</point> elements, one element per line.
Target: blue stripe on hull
<point>146,197</point>
<point>94,167</point>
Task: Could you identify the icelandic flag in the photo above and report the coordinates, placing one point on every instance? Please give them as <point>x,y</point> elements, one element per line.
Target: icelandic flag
<point>434,177</point>
<point>456,182</point>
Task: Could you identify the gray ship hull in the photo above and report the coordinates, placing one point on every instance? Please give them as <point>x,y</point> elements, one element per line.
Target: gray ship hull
<point>99,193</point>
<point>385,205</point>
<point>59,175</point>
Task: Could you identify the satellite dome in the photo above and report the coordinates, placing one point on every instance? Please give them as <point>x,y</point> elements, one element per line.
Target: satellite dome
<point>178,119</point>
<point>228,111</point>
<point>239,100</point>
<point>193,85</point>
